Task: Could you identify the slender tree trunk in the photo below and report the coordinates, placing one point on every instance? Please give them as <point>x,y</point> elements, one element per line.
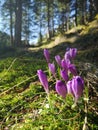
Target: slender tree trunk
<point>83,12</point>
<point>40,24</point>
<point>67,23</point>
<point>96,6</point>
<point>18,22</point>
<point>11,24</point>
<point>76,6</point>
<point>52,26</point>
<point>63,21</point>
<point>40,31</point>
<point>91,10</point>
<point>52,18</point>
<point>67,18</point>
<point>27,28</point>
<point>48,16</point>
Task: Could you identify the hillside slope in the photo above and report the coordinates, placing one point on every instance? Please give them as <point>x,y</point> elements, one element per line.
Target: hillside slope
<point>84,37</point>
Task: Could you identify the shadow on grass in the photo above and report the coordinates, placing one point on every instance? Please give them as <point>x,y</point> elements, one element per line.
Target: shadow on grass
<point>11,52</point>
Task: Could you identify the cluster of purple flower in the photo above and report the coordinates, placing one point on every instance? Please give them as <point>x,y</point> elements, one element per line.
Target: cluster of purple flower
<point>73,86</point>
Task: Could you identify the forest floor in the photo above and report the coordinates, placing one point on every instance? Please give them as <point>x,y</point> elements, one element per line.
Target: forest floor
<point>23,102</point>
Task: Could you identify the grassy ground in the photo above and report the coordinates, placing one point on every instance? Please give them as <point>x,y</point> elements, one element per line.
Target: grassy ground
<point>24,104</point>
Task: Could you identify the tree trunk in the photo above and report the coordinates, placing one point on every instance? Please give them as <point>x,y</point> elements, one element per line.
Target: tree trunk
<point>67,23</point>
<point>83,20</point>
<point>91,10</point>
<point>52,27</point>
<point>40,24</point>
<point>48,16</point>
<point>76,6</point>
<point>11,24</point>
<point>67,17</point>
<point>40,32</point>
<point>52,19</point>
<point>18,22</point>
<point>96,6</point>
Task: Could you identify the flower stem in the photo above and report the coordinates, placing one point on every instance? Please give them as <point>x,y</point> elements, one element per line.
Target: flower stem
<point>85,126</point>
<point>49,101</point>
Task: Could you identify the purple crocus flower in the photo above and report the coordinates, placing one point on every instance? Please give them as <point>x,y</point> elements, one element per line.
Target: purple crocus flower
<point>77,87</point>
<point>68,62</point>
<point>67,55</point>
<point>47,55</point>
<point>69,87</point>
<point>58,59</point>
<point>43,79</point>
<point>65,64</point>
<point>64,75</point>
<point>52,68</point>
<point>72,69</point>
<point>73,52</point>
<point>61,88</point>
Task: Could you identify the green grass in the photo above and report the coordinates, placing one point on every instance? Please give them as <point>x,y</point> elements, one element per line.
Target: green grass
<point>23,102</point>
<point>16,75</point>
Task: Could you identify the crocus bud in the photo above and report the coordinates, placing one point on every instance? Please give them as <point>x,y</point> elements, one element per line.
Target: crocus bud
<point>68,62</point>
<point>64,64</point>
<point>47,55</point>
<point>77,87</point>
<point>43,79</point>
<point>52,68</point>
<point>58,60</point>
<point>72,69</point>
<point>69,87</point>
<point>73,52</point>
<point>61,88</point>
<point>64,75</point>
<point>67,55</point>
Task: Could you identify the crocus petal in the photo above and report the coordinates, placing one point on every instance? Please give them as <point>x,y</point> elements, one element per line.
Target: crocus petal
<point>73,52</point>
<point>58,60</point>
<point>68,62</point>
<point>52,68</point>
<point>64,75</point>
<point>43,79</point>
<point>67,55</point>
<point>64,64</point>
<point>47,55</point>
<point>61,88</point>
<point>69,87</point>
<point>77,86</point>
<point>72,69</point>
